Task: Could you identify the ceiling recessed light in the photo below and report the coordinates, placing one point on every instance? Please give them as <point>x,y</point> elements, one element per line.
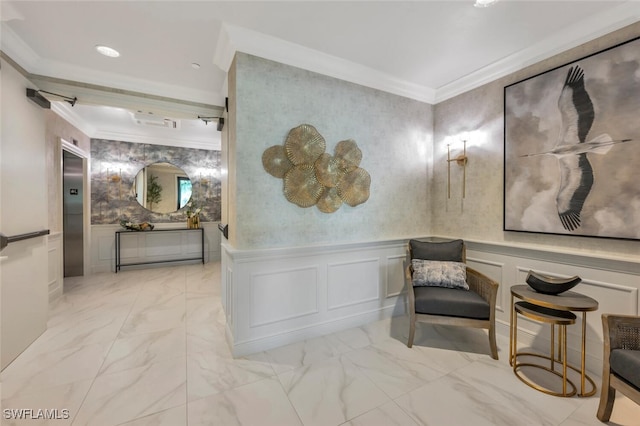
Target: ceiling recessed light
<point>485,3</point>
<point>195,65</point>
<point>107,51</point>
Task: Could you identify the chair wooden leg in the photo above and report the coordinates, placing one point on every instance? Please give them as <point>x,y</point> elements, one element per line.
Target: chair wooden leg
<point>492,342</point>
<point>412,331</point>
<point>607,397</point>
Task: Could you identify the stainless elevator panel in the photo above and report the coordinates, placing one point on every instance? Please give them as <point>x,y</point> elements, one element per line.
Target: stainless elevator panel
<point>72,197</point>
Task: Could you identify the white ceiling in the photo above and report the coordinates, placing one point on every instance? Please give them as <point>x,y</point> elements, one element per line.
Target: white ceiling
<point>428,50</point>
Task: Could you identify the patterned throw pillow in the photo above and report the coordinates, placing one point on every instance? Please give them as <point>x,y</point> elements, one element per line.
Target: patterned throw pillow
<point>433,273</point>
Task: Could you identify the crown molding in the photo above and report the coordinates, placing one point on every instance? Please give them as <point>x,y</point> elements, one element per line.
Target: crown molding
<point>19,51</point>
<point>14,47</point>
<point>66,111</point>
<point>234,39</point>
<point>225,49</point>
<point>59,70</point>
<point>573,36</point>
<point>89,94</point>
<point>213,144</point>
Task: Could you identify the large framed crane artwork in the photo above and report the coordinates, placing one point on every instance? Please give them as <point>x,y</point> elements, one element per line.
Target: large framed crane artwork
<point>572,148</point>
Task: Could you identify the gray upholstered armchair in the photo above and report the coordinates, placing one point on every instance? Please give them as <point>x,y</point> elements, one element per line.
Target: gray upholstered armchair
<point>439,295</point>
<point>621,361</point>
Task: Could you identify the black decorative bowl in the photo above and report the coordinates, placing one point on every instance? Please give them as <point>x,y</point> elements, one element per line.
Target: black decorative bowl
<point>550,285</point>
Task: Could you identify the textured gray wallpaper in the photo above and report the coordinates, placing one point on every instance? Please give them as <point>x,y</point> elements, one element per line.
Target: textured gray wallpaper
<point>114,165</point>
<point>394,134</point>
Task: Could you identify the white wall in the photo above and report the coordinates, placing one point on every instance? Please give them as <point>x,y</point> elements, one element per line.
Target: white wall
<point>23,209</point>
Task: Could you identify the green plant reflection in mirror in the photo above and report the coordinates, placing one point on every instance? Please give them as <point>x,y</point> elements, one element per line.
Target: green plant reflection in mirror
<point>162,187</point>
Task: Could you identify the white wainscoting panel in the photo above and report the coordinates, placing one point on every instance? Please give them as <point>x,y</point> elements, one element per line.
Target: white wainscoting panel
<point>394,283</point>
<point>283,295</point>
<point>55,276</point>
<point>495,271</point>
<point>146,246</point>
<point>280,296</point>
<point>352,283</point>
<point>161,244</point>
<point>613,283</point>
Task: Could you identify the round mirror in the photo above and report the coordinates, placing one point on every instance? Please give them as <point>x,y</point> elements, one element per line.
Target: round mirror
<point>162,188</point>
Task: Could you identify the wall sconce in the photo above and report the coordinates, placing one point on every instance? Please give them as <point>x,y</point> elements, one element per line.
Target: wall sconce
<point>462,161</point>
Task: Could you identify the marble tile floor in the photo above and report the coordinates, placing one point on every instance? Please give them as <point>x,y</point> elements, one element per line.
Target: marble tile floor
<point>147,347</point>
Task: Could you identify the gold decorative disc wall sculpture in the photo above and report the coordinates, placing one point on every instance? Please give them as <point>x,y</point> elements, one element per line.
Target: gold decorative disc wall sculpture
<point>304,144</point>
<point>328,170</point>
<point>329,201</point>
<point>314,177</point>
<point>348,154</point>
<point>275,161</point>
<point>301,186</point>
<point>354,187</point>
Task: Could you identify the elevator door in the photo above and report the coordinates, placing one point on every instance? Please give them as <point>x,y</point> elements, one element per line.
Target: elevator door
<point>72,196</point>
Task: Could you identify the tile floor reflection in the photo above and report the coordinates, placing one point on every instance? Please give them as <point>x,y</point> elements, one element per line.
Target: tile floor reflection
<point>147,347</point>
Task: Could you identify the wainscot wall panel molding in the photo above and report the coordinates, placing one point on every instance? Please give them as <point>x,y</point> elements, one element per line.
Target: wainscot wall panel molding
<point>149,246</point>
<point>55,277</point>
<point>357,283</point>
<point>394,283</point>
<point>283,295</point>
<point>494,270</point>
<point>353,283</point>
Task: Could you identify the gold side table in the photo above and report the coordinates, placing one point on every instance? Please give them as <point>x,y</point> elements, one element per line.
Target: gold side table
<point>545,307</point>
<point>549,316</point>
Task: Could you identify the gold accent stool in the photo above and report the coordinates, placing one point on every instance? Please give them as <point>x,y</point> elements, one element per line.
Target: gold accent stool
<point>552,317</point>
<point>569,301</point>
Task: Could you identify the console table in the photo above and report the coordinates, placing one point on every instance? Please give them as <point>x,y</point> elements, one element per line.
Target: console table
<point>542,306</point>
<point>119,263</point>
